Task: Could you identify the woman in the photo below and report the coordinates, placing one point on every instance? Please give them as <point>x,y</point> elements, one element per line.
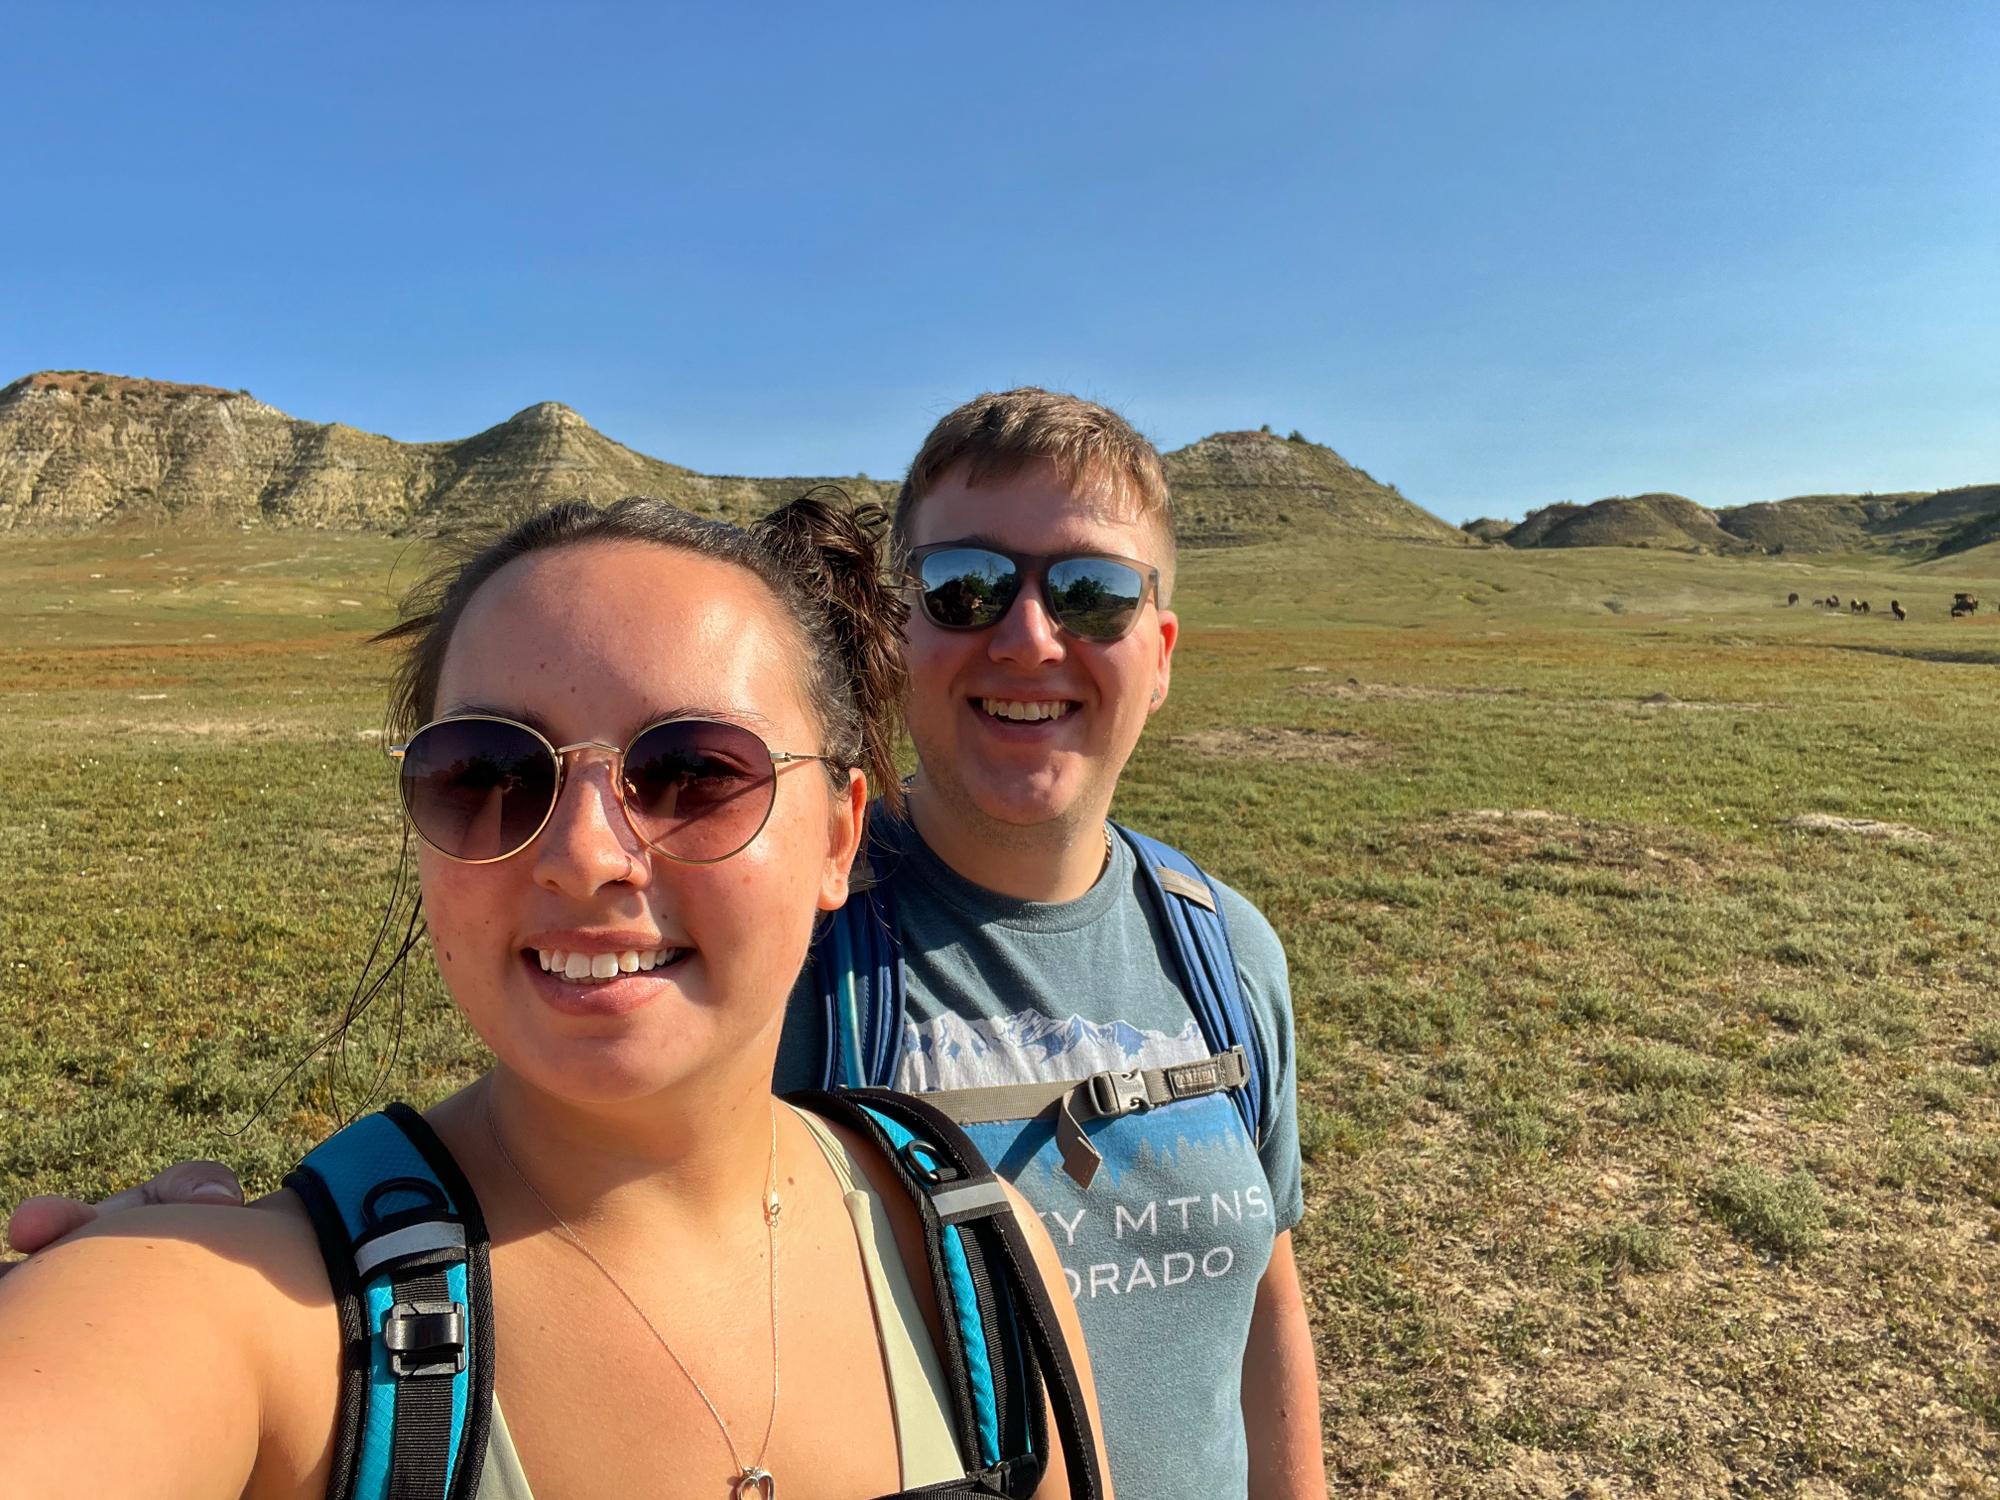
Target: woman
<point>696,1291</point>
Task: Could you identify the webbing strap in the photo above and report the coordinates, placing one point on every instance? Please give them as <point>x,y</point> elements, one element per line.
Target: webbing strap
<point>1101,1096</point>
<point>420,1451</point>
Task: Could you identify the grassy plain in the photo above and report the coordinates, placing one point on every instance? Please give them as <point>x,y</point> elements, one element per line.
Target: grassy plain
<point>1653,1143</point>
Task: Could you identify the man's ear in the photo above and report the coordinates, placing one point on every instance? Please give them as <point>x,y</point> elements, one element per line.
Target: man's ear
<point>847,818</point>
<point>1170,631</point>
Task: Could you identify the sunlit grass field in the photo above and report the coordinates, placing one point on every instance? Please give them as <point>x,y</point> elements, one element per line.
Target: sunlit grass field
<point>1653,1141</point>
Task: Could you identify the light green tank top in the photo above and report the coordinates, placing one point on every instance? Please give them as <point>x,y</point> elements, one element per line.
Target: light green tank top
<point>918,1394</point>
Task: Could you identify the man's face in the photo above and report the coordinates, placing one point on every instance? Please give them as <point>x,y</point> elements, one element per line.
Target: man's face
<point>1014,780</point>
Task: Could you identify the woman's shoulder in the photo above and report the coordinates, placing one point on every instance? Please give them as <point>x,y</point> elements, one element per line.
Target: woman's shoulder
<point>164,1320</point>
<point>264,1250</point>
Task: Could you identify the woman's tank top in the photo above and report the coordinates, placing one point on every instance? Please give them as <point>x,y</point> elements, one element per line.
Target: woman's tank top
<point>918,1394</point>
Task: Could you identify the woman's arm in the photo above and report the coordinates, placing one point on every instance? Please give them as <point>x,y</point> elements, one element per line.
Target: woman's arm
<point>170,1352</point>
<point>1055,1484</point>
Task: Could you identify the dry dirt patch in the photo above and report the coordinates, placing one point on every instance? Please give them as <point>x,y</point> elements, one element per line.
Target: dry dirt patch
<point>1508,835</point>
<point>1328,747</point>
<point>1353,690</point>
<point>1862,828</point>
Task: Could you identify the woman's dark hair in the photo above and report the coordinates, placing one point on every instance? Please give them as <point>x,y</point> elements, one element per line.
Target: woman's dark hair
<point>820,556</point>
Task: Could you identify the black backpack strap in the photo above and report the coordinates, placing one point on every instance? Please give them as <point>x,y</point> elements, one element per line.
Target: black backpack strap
<point>1005,1348</point>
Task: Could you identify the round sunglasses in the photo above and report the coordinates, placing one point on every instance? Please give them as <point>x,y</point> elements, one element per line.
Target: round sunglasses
<point>963,586</point>
<point>479,788</point>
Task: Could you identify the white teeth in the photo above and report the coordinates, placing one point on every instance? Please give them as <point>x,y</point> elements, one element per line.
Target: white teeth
<point>1021,711</point>
<point>596,966</point>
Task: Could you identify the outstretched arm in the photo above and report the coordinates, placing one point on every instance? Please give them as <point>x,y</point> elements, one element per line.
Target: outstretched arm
<point>1281,1387</point>
<point>169,1352</point>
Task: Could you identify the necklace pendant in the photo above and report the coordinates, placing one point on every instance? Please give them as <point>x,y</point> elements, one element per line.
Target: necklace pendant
<point>756,1484</point>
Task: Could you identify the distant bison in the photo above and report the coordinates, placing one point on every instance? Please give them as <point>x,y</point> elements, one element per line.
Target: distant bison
<point>1791,601</point>
<point>1963,604</point>
<point>1896,609</point>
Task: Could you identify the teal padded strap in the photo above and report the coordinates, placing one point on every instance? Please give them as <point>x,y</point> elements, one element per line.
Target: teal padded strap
<point>393,1213</point>
<point>964,1303</point>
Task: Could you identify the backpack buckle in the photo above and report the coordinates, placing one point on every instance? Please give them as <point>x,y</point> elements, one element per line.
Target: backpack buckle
<point>1115,1094</point>
<point>425,1338</point>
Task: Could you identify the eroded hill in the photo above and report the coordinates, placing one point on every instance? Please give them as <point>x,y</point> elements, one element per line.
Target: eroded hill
<point>80,450</point>
<point>1912,523</point>
<point>1254,486</point>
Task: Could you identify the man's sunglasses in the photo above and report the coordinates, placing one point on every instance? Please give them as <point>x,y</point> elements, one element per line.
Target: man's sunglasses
<point>479,788</point>
<point>966,587</point>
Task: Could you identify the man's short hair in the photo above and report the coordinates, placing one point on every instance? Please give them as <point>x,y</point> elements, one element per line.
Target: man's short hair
<point>996,435</point>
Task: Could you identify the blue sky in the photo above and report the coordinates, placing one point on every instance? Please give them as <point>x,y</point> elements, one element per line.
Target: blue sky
<point>1499,254</point>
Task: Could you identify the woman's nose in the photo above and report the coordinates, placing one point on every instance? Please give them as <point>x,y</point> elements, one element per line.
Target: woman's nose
<point>588,842</point>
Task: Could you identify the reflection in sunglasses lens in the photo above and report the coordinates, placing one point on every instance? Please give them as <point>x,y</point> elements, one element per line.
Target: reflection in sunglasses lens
<point>476,788</point>
<point>1095,597</point>
<point>699,790</point>
<point>967,588</point>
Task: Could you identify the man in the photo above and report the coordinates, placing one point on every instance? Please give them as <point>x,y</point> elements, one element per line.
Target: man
<point>1040,531</point>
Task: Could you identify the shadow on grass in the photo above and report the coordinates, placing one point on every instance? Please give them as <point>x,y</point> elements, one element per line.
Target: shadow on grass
<point>1977,657</point>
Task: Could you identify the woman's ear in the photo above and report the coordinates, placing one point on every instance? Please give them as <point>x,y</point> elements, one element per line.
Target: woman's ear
<point>846,820</point>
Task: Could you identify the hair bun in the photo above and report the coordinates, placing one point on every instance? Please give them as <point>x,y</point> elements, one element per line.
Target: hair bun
<point>833,547</point>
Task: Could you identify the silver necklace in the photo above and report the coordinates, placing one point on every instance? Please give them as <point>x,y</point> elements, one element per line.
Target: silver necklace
<point>753,1481</point>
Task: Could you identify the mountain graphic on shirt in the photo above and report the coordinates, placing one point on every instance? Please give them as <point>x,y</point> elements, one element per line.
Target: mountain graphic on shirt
<point>956,1052</point>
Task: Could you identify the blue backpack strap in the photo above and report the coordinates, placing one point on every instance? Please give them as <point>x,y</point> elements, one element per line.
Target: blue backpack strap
<point>857,964</point>
<point>1004,1349</point>
<point>406,1251</point>
<point>1191,911</point>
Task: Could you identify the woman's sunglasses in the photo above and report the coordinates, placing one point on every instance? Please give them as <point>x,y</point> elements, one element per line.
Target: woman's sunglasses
<point>964,587</point>
<point>479,788</point>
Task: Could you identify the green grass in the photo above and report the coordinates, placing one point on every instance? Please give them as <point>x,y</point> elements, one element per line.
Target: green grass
<point>1650,1141</point>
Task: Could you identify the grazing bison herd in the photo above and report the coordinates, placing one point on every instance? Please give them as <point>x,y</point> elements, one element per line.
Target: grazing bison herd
<point>1961,604</point>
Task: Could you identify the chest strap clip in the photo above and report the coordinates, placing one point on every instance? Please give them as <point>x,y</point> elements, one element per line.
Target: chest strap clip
<point>1115,1094</point>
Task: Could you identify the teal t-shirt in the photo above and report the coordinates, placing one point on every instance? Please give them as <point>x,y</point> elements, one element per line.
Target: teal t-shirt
<point>1164,1251</point>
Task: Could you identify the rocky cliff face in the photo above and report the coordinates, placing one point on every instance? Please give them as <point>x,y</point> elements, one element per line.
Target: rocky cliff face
<point>81,450</point>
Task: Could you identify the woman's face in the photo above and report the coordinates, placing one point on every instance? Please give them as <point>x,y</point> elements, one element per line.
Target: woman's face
<point>594,642</point>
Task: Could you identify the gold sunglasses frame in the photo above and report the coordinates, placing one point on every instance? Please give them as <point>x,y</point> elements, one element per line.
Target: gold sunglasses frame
<point>561,753</point>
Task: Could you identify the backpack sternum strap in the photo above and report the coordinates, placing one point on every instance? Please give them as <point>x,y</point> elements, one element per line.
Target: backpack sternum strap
<point>1101,1096</point>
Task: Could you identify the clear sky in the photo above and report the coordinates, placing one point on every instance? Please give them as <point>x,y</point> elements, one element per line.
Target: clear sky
<point>1499,254</point>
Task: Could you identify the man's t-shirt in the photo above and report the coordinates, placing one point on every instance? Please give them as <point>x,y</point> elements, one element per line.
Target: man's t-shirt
<point>1164,1251</point>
